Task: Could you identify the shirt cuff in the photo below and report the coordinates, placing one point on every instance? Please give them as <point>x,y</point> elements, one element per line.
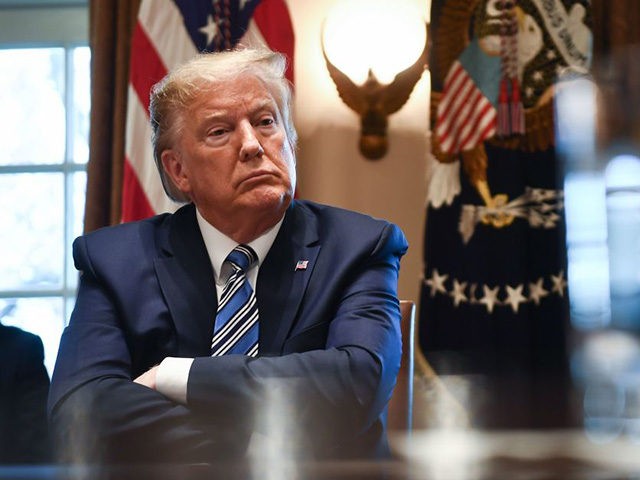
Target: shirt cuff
<point>172,377</point>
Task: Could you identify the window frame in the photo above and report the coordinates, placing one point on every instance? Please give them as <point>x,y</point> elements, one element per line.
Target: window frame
<point>42,24</point>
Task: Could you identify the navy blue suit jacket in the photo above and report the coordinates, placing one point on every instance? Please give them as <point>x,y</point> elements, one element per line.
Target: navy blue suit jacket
<point>329,342</point>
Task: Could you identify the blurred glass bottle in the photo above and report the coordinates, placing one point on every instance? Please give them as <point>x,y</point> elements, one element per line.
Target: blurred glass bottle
<point>596,121</point>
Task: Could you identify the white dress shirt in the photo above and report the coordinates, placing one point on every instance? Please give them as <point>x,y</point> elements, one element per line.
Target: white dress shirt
<point>173,372</point>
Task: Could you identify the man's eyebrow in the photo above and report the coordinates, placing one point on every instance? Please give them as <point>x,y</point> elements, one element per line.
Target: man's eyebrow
<point>266,104</point>
<point>263,104</point>
<point>215,114</point>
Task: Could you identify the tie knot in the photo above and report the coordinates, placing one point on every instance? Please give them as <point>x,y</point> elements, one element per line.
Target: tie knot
<point>243,257</point>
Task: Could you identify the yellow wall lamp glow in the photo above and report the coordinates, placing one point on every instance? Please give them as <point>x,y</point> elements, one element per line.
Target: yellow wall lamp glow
<point>375,51</point>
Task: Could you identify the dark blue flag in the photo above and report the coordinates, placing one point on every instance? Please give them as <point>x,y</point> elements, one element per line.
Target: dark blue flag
<point>494,306</point>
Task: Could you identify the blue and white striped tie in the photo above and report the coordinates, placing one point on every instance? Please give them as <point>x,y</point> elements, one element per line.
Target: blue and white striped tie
<point>236,326</point>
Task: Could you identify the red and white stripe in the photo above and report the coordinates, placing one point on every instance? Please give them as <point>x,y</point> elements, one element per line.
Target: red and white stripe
<point>465,116</point>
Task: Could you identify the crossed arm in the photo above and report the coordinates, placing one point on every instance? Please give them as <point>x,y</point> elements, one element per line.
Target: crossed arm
<point>336,391</point>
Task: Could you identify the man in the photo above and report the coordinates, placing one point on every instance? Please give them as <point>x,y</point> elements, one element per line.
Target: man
<point>147,369</point>
<point>24,385</point>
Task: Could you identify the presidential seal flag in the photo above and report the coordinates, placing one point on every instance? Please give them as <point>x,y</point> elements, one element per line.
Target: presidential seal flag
<point>167,33</point>
<point>494,306</point>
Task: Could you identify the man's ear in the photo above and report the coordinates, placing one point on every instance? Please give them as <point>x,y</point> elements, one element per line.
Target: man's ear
<point>174,168</point>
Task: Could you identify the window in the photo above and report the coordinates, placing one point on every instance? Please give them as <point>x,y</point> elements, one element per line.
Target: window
<point>44,129</point>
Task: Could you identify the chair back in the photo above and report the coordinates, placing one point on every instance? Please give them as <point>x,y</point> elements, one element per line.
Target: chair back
<point>400,412</point>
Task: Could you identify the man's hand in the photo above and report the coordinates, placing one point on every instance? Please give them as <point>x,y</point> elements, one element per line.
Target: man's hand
<point>148,378</point>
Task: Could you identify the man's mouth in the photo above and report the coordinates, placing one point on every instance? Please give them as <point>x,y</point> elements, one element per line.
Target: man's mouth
<point>257,176</point>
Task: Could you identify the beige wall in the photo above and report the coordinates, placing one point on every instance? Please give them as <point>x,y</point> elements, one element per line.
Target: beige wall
<point>330,167</point>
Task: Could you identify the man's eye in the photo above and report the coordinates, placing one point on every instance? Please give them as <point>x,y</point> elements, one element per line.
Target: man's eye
<point>217,132</point>
<point>267,121</point>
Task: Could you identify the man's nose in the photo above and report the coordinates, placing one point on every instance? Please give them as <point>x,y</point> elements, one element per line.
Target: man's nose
<point>250,144</point>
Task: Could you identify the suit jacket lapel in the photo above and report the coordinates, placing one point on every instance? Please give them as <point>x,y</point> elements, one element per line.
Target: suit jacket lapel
<point>186,278</point>
<point>281,285</point>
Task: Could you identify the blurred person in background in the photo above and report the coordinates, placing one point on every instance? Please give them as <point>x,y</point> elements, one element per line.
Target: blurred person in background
<point>24,386</point>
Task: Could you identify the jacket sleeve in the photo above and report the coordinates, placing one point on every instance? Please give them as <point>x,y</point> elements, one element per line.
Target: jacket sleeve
<point>320,399</point>
<point>97,413</point>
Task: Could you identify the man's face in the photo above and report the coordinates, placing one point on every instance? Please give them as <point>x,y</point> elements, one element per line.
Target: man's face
<point>232,157</point>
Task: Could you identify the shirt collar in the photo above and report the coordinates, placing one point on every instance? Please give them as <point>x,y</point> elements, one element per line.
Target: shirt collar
<point>218,245</point>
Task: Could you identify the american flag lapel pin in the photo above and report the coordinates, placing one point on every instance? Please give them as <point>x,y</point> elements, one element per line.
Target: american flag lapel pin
<point>302,265</point>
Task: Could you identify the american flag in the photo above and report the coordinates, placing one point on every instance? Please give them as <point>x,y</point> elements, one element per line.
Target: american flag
<point>167,33</point>
<point>467,110</point>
